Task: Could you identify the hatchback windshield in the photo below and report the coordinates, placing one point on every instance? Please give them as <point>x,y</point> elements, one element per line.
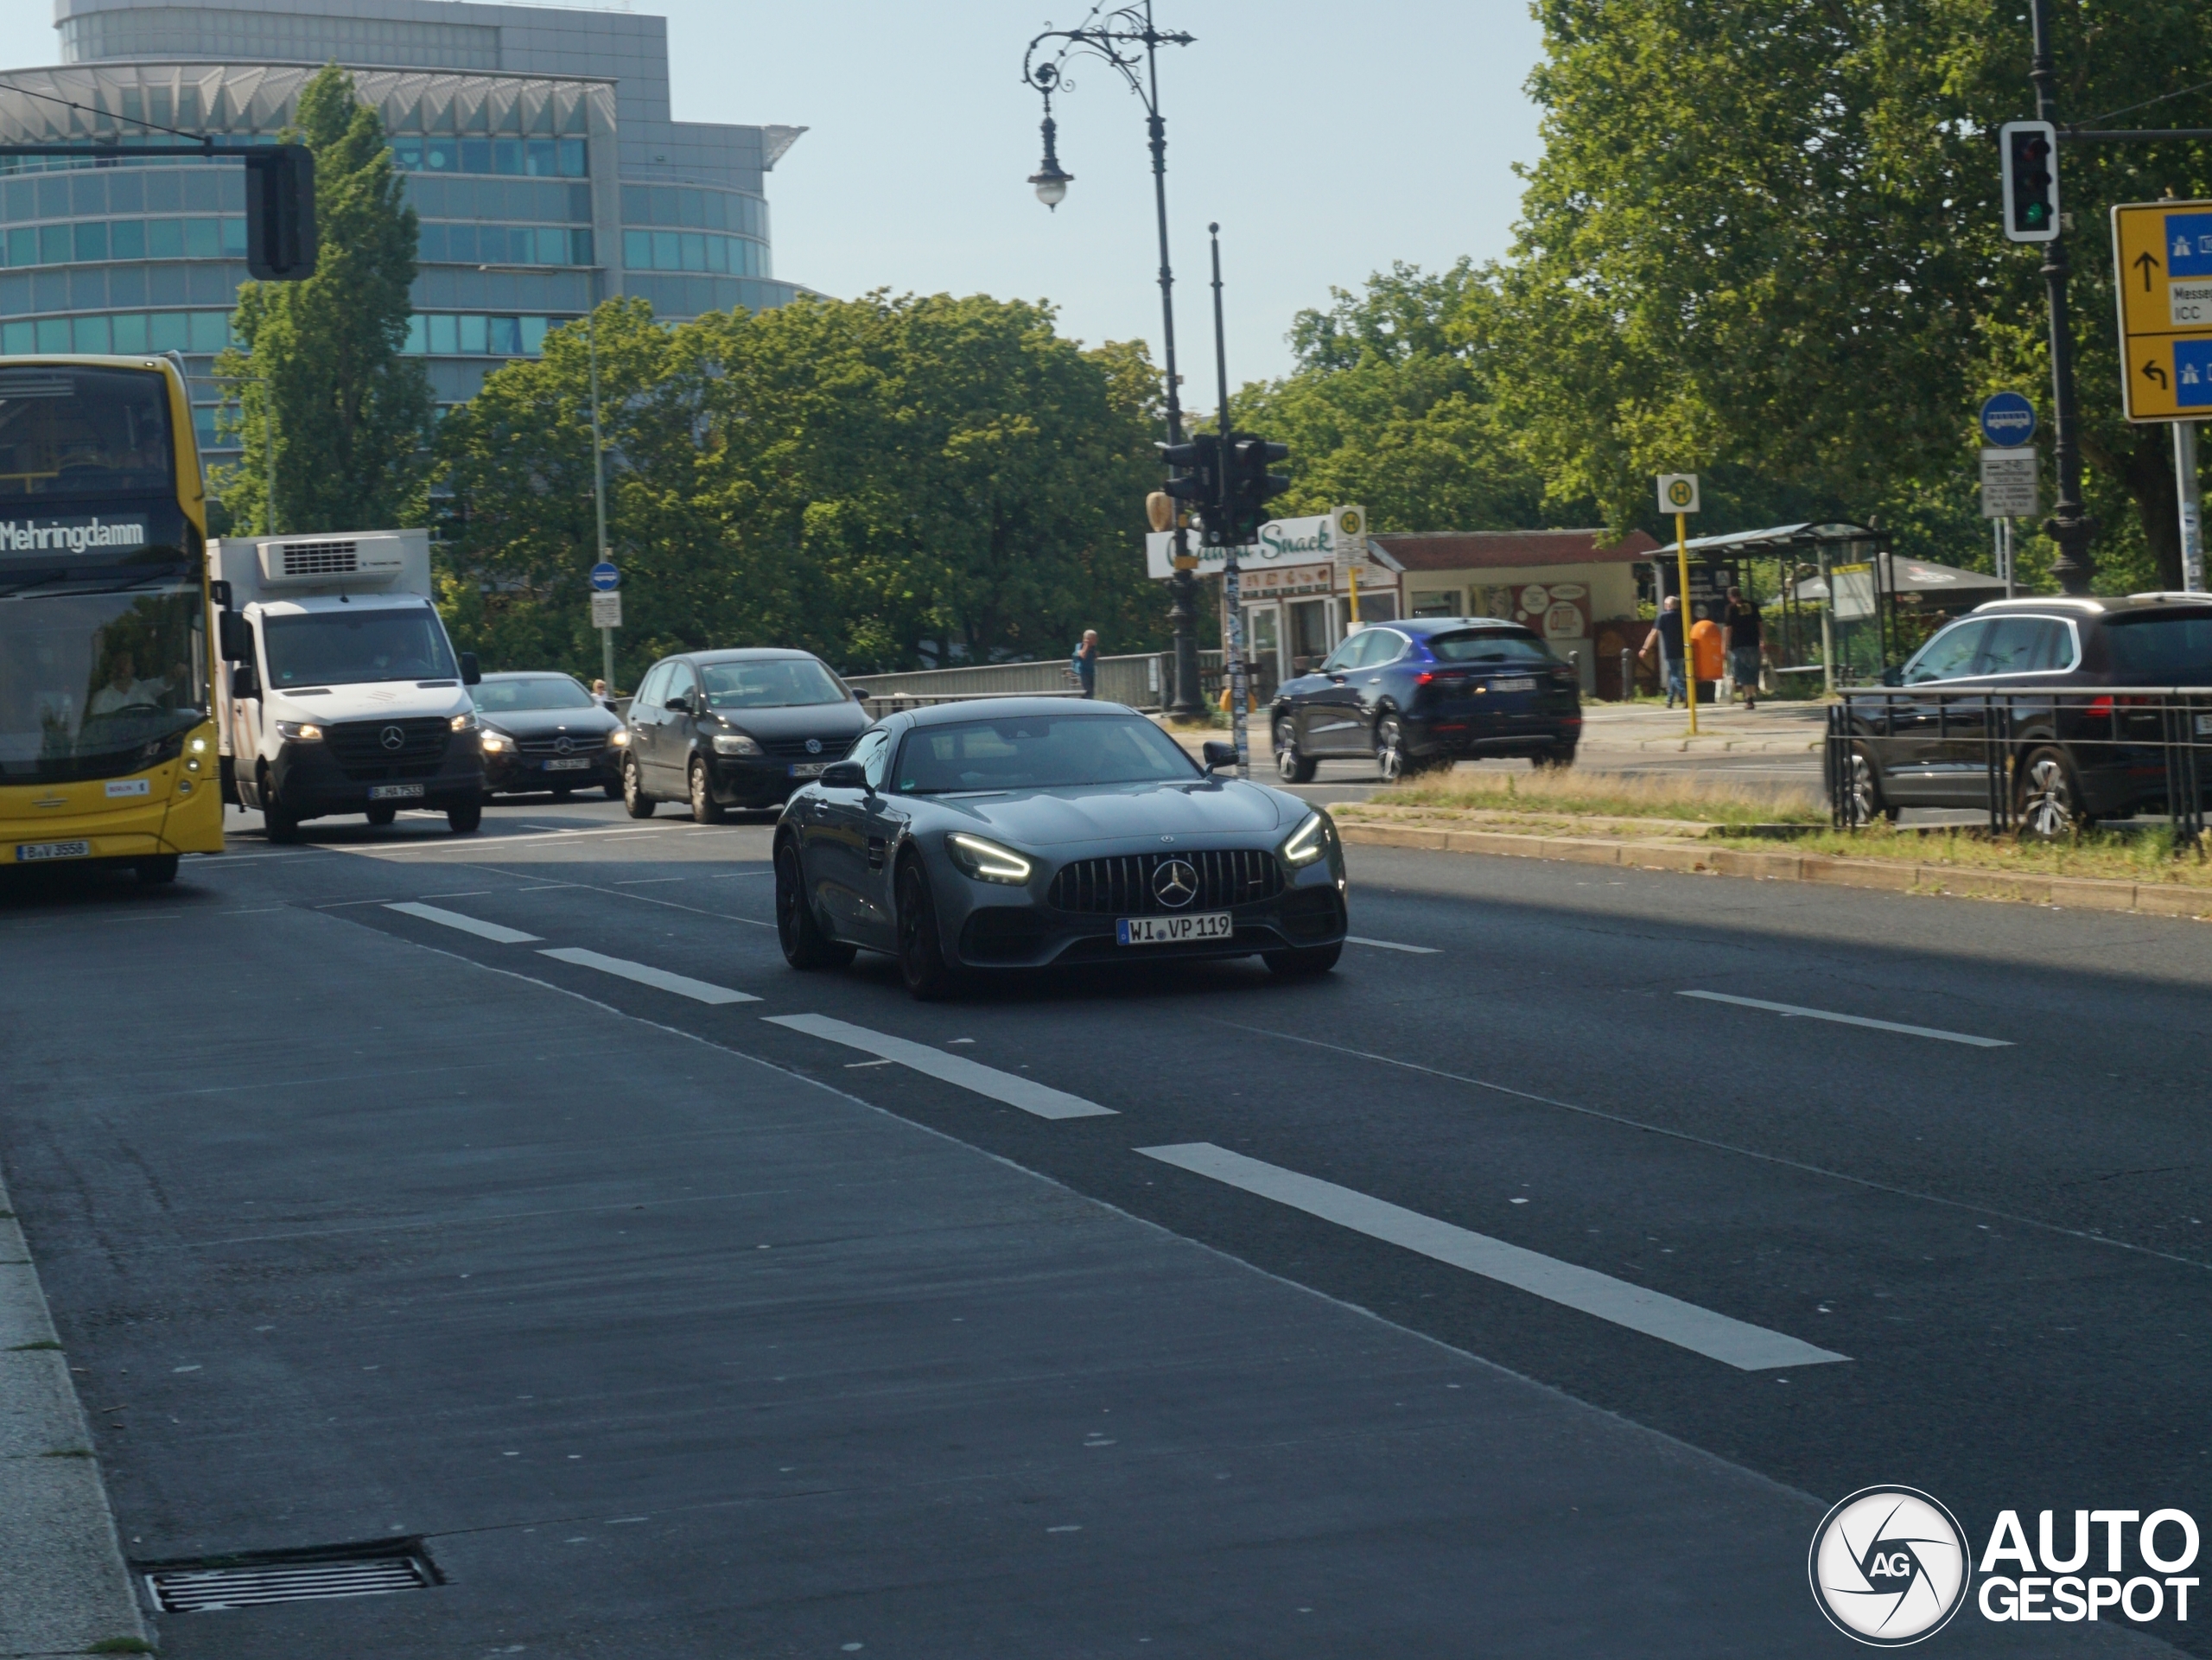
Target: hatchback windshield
<point>542,691</point>
<point>1040,752</point>
<point>1488,645</point>
<point>769,683</point>
<point>2175,651</point>
<point>345,648</point>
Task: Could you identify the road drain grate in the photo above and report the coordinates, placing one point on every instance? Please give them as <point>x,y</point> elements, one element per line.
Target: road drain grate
<point>248,1581</point>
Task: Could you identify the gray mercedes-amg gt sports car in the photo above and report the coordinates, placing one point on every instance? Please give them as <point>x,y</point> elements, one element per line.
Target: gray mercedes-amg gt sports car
<point>1029,832</point>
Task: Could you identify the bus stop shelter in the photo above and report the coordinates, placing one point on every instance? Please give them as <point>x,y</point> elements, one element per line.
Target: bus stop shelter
<point>1849,634</point>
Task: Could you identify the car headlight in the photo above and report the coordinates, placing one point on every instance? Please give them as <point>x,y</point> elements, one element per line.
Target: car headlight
<point>298,731</point>
<point>985,861</point>
<point>1308,842</point>
<point>496,744</point>
<point>734,743</point>
<point>465,722</point>
<point>620,737</point>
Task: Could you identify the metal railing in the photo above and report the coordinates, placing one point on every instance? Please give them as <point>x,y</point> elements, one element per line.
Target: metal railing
<point>1142,681</point>
<point>2121,752</point>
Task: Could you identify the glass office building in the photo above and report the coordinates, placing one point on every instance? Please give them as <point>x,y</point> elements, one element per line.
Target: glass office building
<point>537,143</point>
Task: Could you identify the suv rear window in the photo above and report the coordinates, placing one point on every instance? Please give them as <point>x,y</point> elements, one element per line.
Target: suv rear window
<point>2174,649</point>
<point>1488,646</point>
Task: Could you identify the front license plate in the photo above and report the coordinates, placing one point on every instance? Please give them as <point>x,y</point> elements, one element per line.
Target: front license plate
<point>1521,682</point>
<point>567,766</point>
<point>26,852</point>
<point>395,792</point>
<point>809,769</point>
<point>1172,931</point>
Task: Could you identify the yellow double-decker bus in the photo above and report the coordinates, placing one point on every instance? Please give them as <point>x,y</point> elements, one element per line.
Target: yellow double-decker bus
<point>107,735</point>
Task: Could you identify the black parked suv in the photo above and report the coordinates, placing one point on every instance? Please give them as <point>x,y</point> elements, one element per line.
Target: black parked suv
<point>2072,759</point>
<point>543,731</point>
<point>1421,693</point>
<point>735,728</point>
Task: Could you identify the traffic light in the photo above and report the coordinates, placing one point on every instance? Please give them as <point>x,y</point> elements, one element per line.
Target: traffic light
<point>1196,480</point>
<point>1251,486</point>
<point>280,239</point>
<point>2030,153</point>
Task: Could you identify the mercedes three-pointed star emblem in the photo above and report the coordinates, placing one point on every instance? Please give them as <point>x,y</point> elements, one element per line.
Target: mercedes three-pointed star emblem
<point>1174,883</point>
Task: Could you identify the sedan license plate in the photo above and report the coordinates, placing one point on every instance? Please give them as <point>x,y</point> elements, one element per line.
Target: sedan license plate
<point>395,792</point>
<point>577,765</point>
<point>1519,683</point>
<point>809,769</point>
<point>1173,931</point>
<point>27,851</point>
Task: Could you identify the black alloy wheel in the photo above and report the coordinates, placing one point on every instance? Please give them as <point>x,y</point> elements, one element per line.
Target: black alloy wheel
<point>1291,767</point>
<point>922,962</point>
<point>2047,798</point>
<point>1863,800</point>
<point>1390,748</point>
<point>157,870</point>
<point>635,801</point>
<point>705,809</point>
<point>1558,758</point>
<point>278,821</point>
<point>465,818</point>
<point>797,930</point>
<point>1303,961</point>
<point>381,813</point>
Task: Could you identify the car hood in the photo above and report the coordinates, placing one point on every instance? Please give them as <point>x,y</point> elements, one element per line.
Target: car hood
<point>551,722</point>
<point>799,720</point>
<point>1105,812</point>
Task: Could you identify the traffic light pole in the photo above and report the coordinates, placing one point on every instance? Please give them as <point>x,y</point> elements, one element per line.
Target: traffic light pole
<point>2069,525</point>
<point>1232,608</point>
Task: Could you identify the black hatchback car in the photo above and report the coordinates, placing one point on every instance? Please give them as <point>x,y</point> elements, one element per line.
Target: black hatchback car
<point>545,731</point>
<point>1424,693</point>
<point>734,729</point>
<point>2071,759</point>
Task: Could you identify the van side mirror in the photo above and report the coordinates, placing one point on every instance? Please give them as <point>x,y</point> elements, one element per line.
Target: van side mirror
<point>245,682</point>
<point>844,775</point>
<point>1219,755</point>
<point>233,637</point>
<point>470,674</point>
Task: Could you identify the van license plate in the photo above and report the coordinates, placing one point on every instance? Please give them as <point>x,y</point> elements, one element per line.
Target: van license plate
<point>26,852</point>
<point>395,792</point>
<point>1172,931</point>
<point>577,765</point>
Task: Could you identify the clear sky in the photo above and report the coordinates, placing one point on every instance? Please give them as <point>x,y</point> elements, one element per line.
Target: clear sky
<point>1328,140</point>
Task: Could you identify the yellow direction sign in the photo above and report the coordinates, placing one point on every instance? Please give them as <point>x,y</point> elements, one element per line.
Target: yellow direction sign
<point>2163,253</point>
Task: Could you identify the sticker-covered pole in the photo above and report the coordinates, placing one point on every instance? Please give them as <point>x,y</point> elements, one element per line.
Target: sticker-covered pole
<point>1682,578</point>
<point>2192,506</point>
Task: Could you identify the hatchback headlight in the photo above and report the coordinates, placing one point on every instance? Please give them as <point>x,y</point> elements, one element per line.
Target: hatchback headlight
<point>467,722</point>
<point>620,737</point>
<point>298,731</point>
<point>496,744</point>
<point>985,861</point>
<point>734,743</point>
<point>1308,842</point>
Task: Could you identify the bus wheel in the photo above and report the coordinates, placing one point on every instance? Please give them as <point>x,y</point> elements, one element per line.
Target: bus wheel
<point>162,868</point>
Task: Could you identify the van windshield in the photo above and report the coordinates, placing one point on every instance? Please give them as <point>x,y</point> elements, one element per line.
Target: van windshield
<point>346,648</point>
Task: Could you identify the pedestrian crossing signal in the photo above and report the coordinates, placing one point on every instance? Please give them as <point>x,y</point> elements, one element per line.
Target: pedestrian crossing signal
<point>2029,149</point>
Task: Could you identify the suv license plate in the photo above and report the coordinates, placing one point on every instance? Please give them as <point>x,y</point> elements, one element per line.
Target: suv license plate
<point>27,851</point>
<point>809,769</point>
<point>1519,683</point>
<point>577,765</point>
<point>1173,931</point>
<point>395,792</point>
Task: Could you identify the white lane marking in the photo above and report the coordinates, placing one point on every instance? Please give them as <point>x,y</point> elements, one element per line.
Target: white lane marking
<point>490,931</point>
<point>466,843</point>
<point>682,985</point>
<point>1393,945</point>
<point>1792,1011</point>
<point>1025,1093</point>
<point>1734,1342</point>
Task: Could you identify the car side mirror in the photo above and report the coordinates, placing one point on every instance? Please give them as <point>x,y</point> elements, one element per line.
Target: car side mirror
<point>470,674</point>
<point>1219,755</point>
<point>233,637</point>
<point>678,704</point>
<point>245,682</point>
<point>860,694</point>
<point>1893,677</point>
<point>844,775</point>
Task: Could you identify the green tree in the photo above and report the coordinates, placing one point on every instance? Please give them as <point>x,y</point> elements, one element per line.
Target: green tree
<point>351,416</point>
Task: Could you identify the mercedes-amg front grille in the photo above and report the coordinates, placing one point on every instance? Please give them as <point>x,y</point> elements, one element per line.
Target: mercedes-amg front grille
<point>1123,886</point>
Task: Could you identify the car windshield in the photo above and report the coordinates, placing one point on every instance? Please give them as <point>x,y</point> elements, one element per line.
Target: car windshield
<point>345,648</point>
<point>1488,645</point>
<point>1040,752</point>
<point>2175,650</point>
<point>542,691</point>
<point>770,683</point>
<point>88,681</point>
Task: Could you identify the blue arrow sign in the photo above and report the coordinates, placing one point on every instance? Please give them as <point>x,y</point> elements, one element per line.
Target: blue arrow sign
<point>2008,420</point>
<point>605,578</point>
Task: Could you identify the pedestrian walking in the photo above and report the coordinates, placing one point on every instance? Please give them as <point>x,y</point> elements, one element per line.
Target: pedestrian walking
<point>1746,646</point>
<point>1084,663</point>
<point>1666,639</point>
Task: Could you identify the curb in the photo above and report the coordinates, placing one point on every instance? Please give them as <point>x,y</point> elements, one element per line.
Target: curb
<point>2076,893</point>
<point>63,1586</point>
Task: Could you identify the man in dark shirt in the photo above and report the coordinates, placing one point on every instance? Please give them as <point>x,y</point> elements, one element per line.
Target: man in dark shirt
<point>1746,646</point>
<point>1666,639</point>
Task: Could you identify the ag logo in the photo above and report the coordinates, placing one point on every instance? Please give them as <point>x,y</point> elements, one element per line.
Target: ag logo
<point>1889,1566</point>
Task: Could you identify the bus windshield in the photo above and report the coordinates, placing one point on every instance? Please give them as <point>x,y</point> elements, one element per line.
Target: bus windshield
<point>72,432</point>
<point>347,648</point>
<point>96,685</point>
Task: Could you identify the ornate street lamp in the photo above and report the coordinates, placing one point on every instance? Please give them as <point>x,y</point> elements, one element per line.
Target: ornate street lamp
<point>1051,183</point>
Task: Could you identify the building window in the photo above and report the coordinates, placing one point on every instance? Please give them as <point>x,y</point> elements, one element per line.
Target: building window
<point>503,245</point>
<point>94,241</point>
<point>689,250</point>
<point>526,158</point>
<point>445,333</point>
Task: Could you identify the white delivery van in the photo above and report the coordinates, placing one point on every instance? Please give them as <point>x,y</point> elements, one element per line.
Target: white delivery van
<point>345,694</point>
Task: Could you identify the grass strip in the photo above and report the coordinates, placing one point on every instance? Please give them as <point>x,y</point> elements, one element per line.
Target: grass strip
<point>1545,793</point>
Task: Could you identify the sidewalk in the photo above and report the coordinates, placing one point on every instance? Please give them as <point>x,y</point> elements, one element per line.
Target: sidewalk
<point>1771,730</point>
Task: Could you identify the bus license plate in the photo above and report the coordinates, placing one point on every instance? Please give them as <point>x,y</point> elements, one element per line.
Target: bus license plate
<point>577,765</point>
<point>27,851</point>
<point>1174,930</point>
<point>395,792</point>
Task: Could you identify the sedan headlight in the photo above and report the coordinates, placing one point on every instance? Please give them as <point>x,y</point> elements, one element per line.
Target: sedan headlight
<point>496,742</point>
<point>620,737</point>
<point>987,862</point>
<point>734,743</point>
<point>298,731</point>
<point>1308,842</point>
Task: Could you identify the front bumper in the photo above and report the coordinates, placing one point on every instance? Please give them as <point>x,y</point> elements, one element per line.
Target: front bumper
<point>181,811</point>
<point>311,783</point>
<point>760,780</point>
<point>511,773</point>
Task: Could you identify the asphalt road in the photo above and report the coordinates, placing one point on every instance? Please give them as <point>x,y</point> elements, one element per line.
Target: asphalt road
<point>828,1322</point>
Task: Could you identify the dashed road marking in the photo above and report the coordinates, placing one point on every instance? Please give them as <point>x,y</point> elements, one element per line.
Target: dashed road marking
<point>490,931</point>
<point>1734,1342</point>
<point>1393,945</point>
<point>645,975</point>
<point>1792,1011</point>
<point>1025,1093</point>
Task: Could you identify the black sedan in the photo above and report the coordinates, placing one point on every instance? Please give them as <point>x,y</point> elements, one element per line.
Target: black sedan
<point>1426,692</point>
<point>1030,832</point>
<point>734,729</point>
<point>1968,715</point>
<point>545,731</point>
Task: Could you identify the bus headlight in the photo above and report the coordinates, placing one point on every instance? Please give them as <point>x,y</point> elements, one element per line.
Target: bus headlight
<point>298,731</point>
<point>1309,842</point>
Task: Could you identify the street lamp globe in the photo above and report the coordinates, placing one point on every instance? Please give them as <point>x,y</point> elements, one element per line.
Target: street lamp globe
<point>1051,181</point>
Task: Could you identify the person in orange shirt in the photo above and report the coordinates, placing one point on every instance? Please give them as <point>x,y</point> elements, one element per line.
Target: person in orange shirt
<point>1708,651</point>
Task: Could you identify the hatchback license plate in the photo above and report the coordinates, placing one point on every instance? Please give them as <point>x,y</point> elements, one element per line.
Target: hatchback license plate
<point>1519,683</point>
<point>567,766</point>
<point>395,792</point>
<point>809,769</point>
<point>26,852</point>
<point>1173,931</point>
